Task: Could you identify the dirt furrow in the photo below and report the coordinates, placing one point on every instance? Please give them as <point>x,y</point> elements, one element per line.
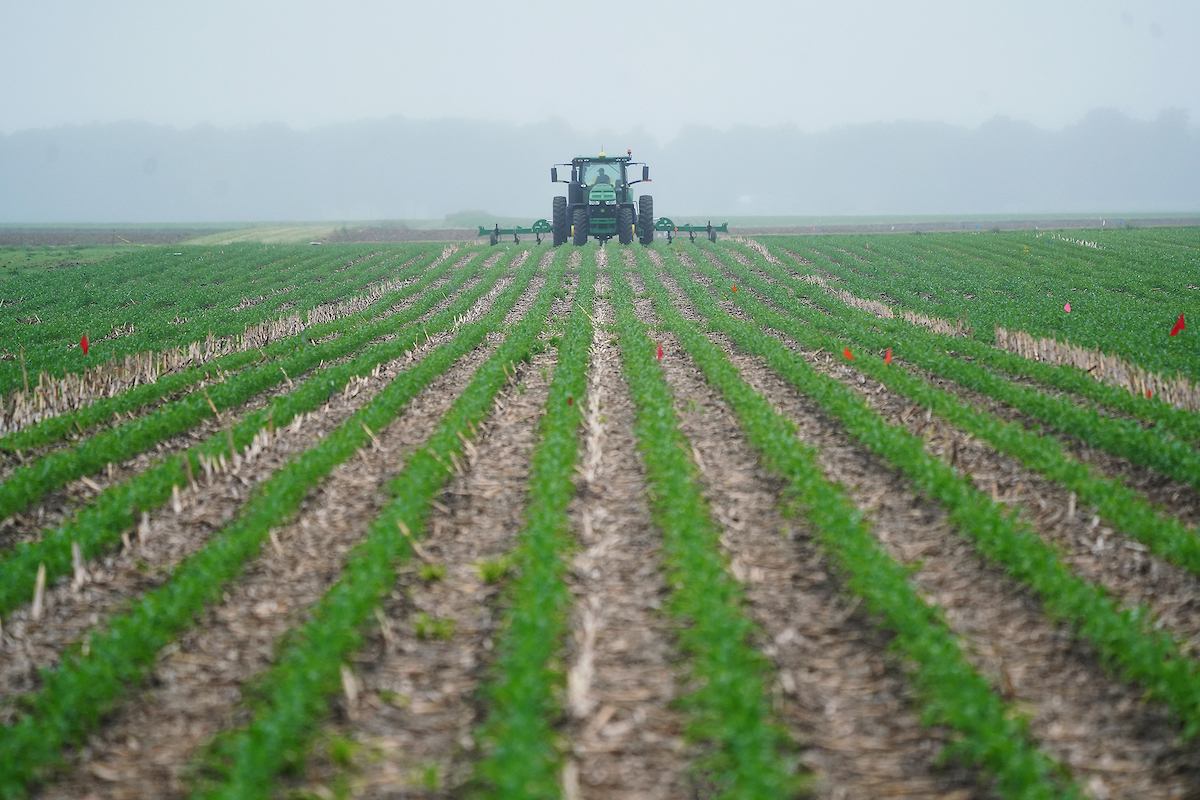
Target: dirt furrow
<point>840,694</point>
<point>10,461</point>
<point>62,504</point>
<point>1116,745</point>
<point>165,537</point>
<point>1093,550</point>
<point>624,672</point>
<point>417,676</point>
<point>195,688</point>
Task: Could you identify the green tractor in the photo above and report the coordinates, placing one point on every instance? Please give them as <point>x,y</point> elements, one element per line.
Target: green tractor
<point>599,202</point>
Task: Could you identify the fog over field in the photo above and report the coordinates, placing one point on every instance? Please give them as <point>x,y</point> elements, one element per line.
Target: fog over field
<point>399,168</point>
<point>137,111</point>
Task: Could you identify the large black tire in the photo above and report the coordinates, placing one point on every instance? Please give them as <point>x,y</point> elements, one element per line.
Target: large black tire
<point>625,225</point>
<point>712,236</point>
<point>645,222</point>
<point>562,225</point>
<point>579,223</point>
<point>493,238</point>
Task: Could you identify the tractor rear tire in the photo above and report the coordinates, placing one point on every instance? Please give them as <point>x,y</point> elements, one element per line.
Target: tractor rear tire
<point>579,224</point>
<point>712,236</point>
<point>493,239</point>
<point>646,219</point>
<point>625,225</point>
<point>562,225</point>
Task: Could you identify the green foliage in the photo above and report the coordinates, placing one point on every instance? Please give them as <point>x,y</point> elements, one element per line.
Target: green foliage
<point>98,526</point>
<point>57,428</point>
<point>293,695</point>
<point>1125,640</point>
<point>729,709</point>
<point>495,570</point>
<point>75,696</point>
<point>988,733</point>
<point>431,573</point>
<point>521,755</point>
<point>1124,508</point>
<point>427,627</point>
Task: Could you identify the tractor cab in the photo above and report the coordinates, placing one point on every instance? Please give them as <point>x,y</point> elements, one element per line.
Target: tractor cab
<point>599,202</point>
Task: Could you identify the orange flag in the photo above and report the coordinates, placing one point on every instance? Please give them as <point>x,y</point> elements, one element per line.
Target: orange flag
<point>887,359</point>
<point>846,352</point>
<point>1149,394</point>
<point>735,288</point>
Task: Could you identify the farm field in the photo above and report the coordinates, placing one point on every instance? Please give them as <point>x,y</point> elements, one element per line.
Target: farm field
<point>836,516</point>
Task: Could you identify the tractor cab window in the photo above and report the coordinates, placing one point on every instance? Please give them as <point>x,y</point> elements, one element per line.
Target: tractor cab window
<point>601,173</point>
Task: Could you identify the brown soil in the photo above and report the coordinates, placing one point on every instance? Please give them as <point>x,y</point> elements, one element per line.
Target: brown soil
<point>626,737</point>
<point>417,705</point>
<point>840,694</point>
<point>195,688</point>
<point>1114,743</point>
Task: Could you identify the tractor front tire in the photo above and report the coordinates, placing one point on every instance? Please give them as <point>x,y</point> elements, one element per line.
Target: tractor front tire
<point>562,225</point>
<point>646,219</point>
<point>579,227</point>
<point>625,225</point>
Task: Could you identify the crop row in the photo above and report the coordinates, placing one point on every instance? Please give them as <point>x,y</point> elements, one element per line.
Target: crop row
<point>31,482</point>
<point>176,299</point>
<point>92,680</point>
<point>729,709</point>
<point>1149,447</point>
<point>58,427</point>
<point>1125,640</point>
<point>988,733</point>
<point>292,696</point>
<point>520,742</point>
<point>99,525</point>
<point>1124,298</point>
<point>1121,507</point>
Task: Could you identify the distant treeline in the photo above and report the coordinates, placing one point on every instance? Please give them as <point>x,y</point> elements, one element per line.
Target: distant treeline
<point>401,168</point>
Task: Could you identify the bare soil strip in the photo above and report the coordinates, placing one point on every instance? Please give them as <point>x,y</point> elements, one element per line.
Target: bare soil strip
<point>839,693</point>
<point>624,672</point>
<point>1115,745</point>
<point>168,537</point>
<point>416,677</point>
<point>194,691</point>
<point>58,506</point>
<point>1094,551</point>
<point>1180,499</point>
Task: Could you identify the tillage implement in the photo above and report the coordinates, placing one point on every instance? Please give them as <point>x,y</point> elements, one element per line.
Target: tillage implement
<point>599,204</point>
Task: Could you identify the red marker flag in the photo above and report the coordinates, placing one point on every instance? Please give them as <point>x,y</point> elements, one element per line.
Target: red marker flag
<point>570,401</point>
<point>846,352</point>
<point>84,343</point>
<point>1179,325</point>
<point>660,352</point>
<point>1067,308</point>
<point>735,288</point>
<point>1149,394</point>
<point>887,359</point>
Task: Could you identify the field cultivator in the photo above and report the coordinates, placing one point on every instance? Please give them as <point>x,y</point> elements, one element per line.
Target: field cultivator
<point>600,205</point>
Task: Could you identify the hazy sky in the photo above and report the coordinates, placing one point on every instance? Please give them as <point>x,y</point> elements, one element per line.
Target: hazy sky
<point>611,66</point>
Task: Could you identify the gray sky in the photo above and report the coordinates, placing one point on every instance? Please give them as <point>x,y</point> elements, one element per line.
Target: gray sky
<point>615,66</point>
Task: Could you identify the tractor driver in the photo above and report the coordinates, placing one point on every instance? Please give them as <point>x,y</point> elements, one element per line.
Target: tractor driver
<point>602,177</point>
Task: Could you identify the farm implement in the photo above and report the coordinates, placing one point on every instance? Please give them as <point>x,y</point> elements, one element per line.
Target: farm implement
<point>600,205</point>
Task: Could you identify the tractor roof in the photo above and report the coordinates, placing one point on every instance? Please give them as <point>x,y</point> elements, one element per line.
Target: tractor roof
<point>602,158</point>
